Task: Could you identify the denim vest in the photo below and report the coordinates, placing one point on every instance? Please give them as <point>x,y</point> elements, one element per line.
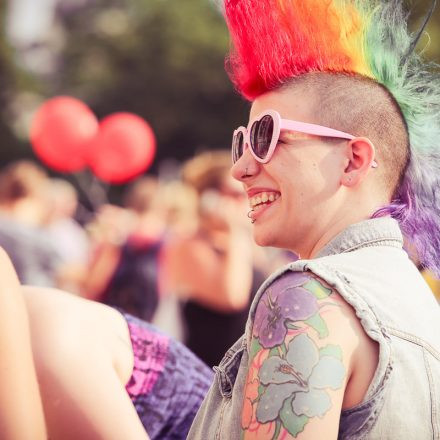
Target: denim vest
<point>368,267</point>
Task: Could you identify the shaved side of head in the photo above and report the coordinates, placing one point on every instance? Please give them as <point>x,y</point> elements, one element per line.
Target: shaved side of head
<point>362,107</point>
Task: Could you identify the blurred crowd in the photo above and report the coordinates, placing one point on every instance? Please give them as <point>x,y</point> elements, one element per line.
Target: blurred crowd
<point>178,253</point>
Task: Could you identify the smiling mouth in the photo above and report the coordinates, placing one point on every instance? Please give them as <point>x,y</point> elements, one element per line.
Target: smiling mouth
<point>263,199</point>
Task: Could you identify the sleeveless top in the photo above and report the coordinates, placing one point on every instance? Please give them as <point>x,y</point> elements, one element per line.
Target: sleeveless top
<point>368,267</point>
<point>168,382</point>
<point>133,286</point>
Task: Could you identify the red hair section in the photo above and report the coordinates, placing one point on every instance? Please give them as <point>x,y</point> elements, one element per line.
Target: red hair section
<point>274,40</point>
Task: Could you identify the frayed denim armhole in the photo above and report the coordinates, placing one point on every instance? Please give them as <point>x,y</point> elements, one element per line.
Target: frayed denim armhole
<point>358,421</point>
<point>228,368</point>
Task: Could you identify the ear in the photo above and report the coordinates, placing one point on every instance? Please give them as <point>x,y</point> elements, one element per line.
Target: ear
<point>360,153</point>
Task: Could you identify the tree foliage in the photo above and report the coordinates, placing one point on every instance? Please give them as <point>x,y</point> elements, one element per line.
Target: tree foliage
<point>161,59</point>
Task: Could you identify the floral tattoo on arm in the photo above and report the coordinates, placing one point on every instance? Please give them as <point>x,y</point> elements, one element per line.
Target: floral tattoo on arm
<point>289,373</point>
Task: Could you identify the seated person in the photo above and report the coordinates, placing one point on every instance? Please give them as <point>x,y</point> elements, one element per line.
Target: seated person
<point>104,374</point>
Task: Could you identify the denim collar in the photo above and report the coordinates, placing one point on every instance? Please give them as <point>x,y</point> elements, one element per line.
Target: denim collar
<point>383,231</point>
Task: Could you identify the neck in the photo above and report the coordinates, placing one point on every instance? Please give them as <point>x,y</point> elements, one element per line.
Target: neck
<point>327,236</point>
<point>338,223</point>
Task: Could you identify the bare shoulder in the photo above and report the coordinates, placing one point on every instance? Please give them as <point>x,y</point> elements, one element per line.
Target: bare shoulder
<point>72,312</point>
<point>305,351</point>
<point>65,325</point>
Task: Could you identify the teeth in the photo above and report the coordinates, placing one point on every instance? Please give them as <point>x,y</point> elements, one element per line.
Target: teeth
<point>263,198</point>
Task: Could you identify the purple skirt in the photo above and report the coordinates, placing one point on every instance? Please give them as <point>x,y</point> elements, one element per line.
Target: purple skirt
<point>168,383</point>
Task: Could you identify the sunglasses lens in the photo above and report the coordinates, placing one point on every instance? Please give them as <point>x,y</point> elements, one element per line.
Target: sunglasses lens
<point>237,146</point>
<point>261,136</point>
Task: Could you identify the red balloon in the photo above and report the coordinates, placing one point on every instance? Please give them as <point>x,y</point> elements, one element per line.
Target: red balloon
<point>60,133</point>
<point>123,149</point>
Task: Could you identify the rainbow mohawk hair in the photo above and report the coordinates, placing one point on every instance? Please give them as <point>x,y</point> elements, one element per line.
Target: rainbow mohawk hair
<point>276,40</point>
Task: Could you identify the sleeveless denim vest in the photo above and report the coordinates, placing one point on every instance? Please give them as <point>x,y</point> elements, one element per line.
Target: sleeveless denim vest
<point>368,267</point>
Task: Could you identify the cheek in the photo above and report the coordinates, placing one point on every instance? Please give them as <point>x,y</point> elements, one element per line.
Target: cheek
<point>319,183</point>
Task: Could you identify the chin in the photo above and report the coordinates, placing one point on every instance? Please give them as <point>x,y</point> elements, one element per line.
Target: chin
<point>269,239</point>
<point>263,239</point>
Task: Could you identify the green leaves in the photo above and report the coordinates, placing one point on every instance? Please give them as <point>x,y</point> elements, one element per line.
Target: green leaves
<point>255,347</point>
<point>317,288</point>
<point>331,350</point>
<point>294,424</point>
<point>318,324</point>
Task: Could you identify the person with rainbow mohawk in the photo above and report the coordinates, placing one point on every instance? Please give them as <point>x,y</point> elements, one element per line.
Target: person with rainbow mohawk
<point>340,160</point>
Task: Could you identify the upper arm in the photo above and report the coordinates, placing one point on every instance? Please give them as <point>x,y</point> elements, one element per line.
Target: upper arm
<point>86,400</point>
<point>301,358</point>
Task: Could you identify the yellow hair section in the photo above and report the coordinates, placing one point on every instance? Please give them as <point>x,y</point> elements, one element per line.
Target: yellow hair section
<point>334,30</point>
<point>274,40</point>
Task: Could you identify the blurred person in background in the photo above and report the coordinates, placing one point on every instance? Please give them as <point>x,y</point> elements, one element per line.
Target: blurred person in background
<point>23,210</point>
<point>211,268</point>
<point>178,205</point>
<point>21,410</point>
<point>125,268</point>
<point>66,235</point>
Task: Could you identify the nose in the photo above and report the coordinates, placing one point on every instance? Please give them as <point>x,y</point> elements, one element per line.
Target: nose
<point>245,167</point>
